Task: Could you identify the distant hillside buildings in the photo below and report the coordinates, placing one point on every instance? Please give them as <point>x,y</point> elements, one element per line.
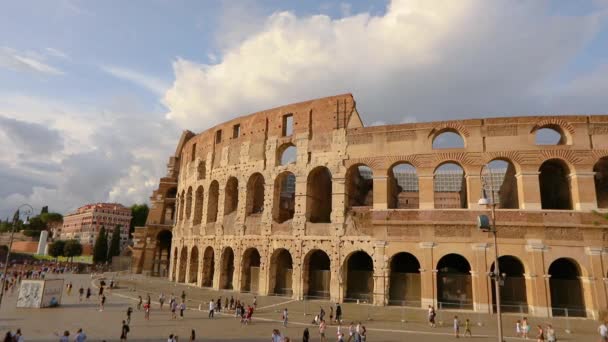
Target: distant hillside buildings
<point>85,223</point>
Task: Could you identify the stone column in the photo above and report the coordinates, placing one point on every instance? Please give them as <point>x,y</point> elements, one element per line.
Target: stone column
<point>380,274</point>
<point>537,281</point>
<point>380,190</point>
<point>582,185</point>
<point>426,188</point>
<point>201,260</point>
<point>528,190</point>
<point>264,275</point>
<point>188,265</point>
<point>172,259</point>
<point>266,221</point>
<point>428,275</point>
<point>482,298</point>
<point>595,285</point>
<point>473,189</point>
<point>336,287</point>
<point>217,267</point>
<point>338,205</point>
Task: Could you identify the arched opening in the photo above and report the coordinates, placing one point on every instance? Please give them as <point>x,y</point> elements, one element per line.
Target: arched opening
<point>555,185</point>
<point>189,203</point>
<point>317,274</point>
<point>284,197</point>
<point>162,253</point>
<point>182,204</point>
<point>287,154</point>
<point>250,271</point>
<point>601,182</point>
<point>360,186</point>
<point>566,288</point>
<point>208,267</point>
<point>227,271</point>
<point>500,184</point>
<point>231,196</point>
<point>201,170</point>
<point>198,205</point>
<point>404,281</point>
<point>454,289</point>
<point>193,265</point>
<point>359,277</point>
<point>183,263</point>
<point>255,194</point>
<point>513,297</point>
<point>450,186</point>
<point>550,135</point>
<point>448,139</point>
<point>212,202</point>
<point>281,272</point>
<point>174,275</point>
<point>403,187</point>
<point>171,193</point>
<point>318,195</point>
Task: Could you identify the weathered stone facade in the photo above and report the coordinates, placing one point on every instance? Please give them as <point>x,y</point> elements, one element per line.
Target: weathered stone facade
<point>238,224</point>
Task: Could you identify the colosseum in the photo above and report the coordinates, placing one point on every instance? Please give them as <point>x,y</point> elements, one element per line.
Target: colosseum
<point>304,201</point>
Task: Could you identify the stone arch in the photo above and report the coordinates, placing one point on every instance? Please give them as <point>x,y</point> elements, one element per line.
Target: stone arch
<point>162,253</point>
<point>212,201</point>
<point>564,130</point>
<point>255,194</point>
<point>448,138</point>
<point>601,182</point>
<point>208,267</point>
<point>287,154</point>
<point>555,188</point>
<point>359,271</point>
<point>404,280</point>
<point>183,263</point>
<point>227,269</point>
<point>566,288</point>
<point>284,197</point>
<point>281,272</point>
<point>189,203</point>
<point>403,191</point>
<point>193,267</point>
<point>316,274</point>
<point>449,186</point>
<point>231,196</point>
<point>500,183</point>
<point>250,270</point>
<point>454,285</point>
<point>513,295</point>
<point>198,205</point>
<point>360,186</point>
<point>318,195</point>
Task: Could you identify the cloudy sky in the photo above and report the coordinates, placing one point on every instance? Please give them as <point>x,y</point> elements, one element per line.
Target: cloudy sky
<point>94,95</point>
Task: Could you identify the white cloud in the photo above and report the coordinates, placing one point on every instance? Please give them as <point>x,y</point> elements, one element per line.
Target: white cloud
<point>151,83</point>
<point>25,62</point>
<point>56,53</point>
<point>425,59</point>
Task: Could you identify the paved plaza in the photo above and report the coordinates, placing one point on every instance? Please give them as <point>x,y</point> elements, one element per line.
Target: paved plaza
<point>383,324</point>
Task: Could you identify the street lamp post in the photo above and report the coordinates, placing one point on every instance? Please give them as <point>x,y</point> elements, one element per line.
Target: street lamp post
<point>27,212</point>
<point>496,276</point>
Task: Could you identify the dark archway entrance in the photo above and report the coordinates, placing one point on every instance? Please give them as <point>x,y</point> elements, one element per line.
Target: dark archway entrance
<point>454,288</point>
<point>162,253</point>
<point>554,185</point>
<point>281,272</point>
<point>359,277</point>
<point>193,265</point>
<point>318,195</point>
<point>227,270</point>
<point>566,288</point>
<point>317,274</point>
<point>250,271</point>
<point>404,286</point>
<point>208,267</point>
<point>513,296</point>
<point>601,182</point>
<point>183,263</point>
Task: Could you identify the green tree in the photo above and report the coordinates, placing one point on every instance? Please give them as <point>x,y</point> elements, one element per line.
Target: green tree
<point>139,213</point>
<point>44,210</point>
<point>72,248</point>
<point>100,250</point>
<point>56,248</point>
<point>114,244</point>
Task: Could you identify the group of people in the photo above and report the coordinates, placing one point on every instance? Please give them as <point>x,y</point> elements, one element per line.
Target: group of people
<point>245,313</point>
<point>523,330</point>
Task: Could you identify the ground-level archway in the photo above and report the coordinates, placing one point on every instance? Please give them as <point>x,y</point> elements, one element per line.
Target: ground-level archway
<point>208,267</point>
<point>162,253</point>
<point>250,271</point>
<point>193,267</point>
<point>454,287</point>
<point>227,269</point>
<point>513,297</point>
<point>566,288</point>
<point>404,280</point>
<point>359,277</point>
<point>281,273</point>
<point>183,263</point>
<point>317,274</point>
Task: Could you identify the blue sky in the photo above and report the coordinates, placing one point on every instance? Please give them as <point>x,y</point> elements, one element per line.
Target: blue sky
<point>93,95</point>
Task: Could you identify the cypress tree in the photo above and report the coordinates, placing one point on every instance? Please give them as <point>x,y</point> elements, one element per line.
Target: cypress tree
<point>100,250</point>
<point>114,243</point>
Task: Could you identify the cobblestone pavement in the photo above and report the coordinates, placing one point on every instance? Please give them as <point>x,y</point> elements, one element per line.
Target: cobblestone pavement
<point>384,324</point>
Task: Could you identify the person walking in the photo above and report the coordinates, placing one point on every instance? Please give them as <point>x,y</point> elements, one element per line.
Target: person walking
<point>306,335</point>
<point>525,328</point>
<point>276,336</point>
<point>518,329</point>
<point>192,335</point>
<point>351,331</point>
<point>80,293</point>
<point>211,308</point>
<point>331,314</point>
<point>550,332</point>
<point>322,328</point>
<point>338,313</point>
<point>102,302</point>
<point>182,307</point>
<point>147,311</point>
<point>431,316</point>
<point>467,328</point>
<point>174,310</point>
<point>139,302</point>
<point>285,315</point>
<point>183,296</point>
<point>69,288</point>
<point>255,302</point>
<point>18,337</point>
<point>603,331</point>
<point>124,331</point>
<point>456,327</point>
<point>161,300</point>
<point>540,335</point>
<point>231,302</point>
<point>218,305</point>
<point>148,299</point>
<point>80,336</point>
<point>129,312</point>
<point>88,293</point>
<point>64,338</point>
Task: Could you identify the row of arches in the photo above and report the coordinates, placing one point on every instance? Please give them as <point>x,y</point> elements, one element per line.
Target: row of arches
<point>453,280</point>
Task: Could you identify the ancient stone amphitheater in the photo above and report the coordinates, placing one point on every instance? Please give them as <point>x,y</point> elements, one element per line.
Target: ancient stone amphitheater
<point>304,201</point>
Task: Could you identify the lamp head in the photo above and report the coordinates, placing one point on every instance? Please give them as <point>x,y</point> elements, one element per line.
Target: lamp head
<point>483,201</point>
